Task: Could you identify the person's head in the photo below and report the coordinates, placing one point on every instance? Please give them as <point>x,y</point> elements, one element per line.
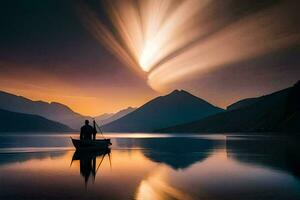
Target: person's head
<point>86,122</point>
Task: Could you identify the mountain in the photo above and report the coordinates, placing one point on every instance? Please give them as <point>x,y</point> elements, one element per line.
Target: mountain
<point>13,122</point>
<point>108,118</point>
<point>53,111</point>
<point>174,108</point>
<point>276,112</point>
<point>103,117</point>
<point>242,103</point>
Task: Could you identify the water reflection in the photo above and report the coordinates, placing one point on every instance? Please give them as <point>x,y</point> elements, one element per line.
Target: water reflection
<point>88,162</point>
<point>177,152</point>
<point>279,153</point>
<point>158,168</point>
<point>10,158</point>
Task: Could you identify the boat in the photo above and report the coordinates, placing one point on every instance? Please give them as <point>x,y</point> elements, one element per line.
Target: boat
<point>94,144</point>
<point>91,144</point>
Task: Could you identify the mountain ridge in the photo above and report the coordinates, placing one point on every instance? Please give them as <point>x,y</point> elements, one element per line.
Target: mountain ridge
<point>53,111</point>
<point>268,113</point>
<point>114,116</point>
<point>242,103</point>
<point>14,122</point>
<point>175,107</point>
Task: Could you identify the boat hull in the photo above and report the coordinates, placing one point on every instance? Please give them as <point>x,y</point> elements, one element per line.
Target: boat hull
<point>91,144</point>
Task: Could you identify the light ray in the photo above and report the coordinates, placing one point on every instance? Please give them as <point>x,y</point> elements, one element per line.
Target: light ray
<point>170,40</point>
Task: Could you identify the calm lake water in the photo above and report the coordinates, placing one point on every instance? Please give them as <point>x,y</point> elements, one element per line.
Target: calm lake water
<point>150,166</point>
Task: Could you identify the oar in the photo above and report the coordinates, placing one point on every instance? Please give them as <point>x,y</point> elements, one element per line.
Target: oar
<point>99,128</point>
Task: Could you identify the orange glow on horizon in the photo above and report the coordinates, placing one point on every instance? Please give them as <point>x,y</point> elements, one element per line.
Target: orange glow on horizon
<point>88,106</point>
<point>86,99</point>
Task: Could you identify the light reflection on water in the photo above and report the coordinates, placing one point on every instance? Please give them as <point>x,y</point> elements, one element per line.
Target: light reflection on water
<point>150,166</point>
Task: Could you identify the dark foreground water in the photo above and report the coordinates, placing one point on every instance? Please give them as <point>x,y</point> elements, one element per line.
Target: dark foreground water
<point>154,167</point>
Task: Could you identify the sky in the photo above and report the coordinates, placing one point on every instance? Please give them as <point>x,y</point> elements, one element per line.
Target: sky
<point>102,56</point>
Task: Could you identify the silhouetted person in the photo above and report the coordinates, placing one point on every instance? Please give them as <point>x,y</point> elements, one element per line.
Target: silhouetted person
<point>87,131</point>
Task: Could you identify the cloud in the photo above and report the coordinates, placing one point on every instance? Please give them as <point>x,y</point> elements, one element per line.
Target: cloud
<point>173,40</point>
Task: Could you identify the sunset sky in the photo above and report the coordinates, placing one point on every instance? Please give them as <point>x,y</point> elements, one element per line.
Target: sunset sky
<point>102,56</point>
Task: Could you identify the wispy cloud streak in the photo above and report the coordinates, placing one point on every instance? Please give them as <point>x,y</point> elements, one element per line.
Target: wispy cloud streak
<point>165,38</point>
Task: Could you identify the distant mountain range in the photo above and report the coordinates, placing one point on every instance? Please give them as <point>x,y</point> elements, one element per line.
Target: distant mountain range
<point>176,112</point>
<point>53,111</point>
<point>103,117</point>
<point>110,117</point>
<point>174,108</point>
<point>13,122</point>
<point>276,112</point>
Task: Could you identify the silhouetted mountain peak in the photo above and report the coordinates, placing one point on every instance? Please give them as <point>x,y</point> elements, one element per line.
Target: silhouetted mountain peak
<point>183,96</point>
<point>58,104</point>
<point>278,112</point>
<point>62,106</point>
<point>179,92</point>
<point>107,118</point>
<point>176,107</point>
<point>175,92</point>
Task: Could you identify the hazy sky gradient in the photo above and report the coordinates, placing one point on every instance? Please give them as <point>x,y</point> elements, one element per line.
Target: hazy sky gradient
<point>46,53</point>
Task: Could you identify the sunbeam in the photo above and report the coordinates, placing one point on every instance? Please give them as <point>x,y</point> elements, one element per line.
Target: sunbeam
<point>169,40</point>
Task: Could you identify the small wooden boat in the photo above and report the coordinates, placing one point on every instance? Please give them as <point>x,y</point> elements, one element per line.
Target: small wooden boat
<point>91,144</point>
